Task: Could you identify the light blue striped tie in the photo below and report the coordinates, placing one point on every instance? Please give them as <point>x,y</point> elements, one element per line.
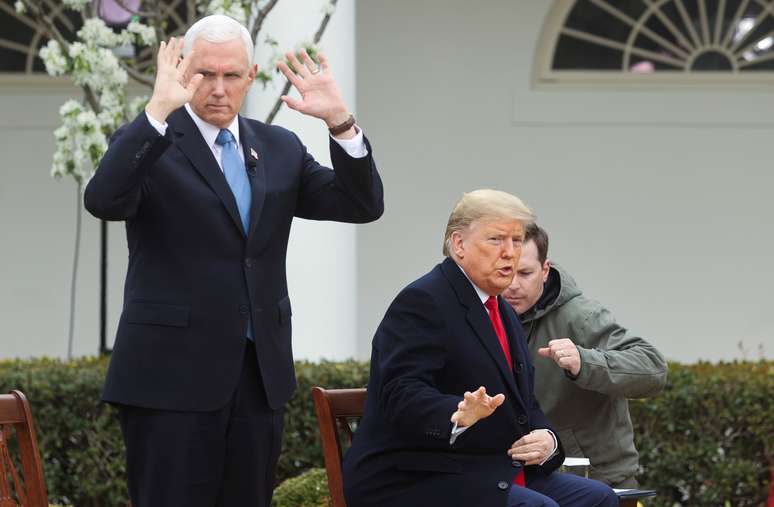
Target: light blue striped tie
<point>236,176</point>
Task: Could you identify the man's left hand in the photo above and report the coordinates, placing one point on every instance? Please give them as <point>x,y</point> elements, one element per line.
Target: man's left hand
<point>564,353</point>
<point>320,95</point>
<point>533,448</point>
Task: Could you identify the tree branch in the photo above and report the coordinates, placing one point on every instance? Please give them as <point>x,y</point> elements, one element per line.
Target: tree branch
<point>143,79</point>
<point>261,17</point>
<point>317,37</point>
<point>277,104</point>
<point>324,24</point>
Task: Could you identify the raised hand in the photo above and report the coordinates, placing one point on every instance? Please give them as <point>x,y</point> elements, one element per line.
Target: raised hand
<point>475,406</point>
<point>172,88</point>
<point>564,353</point>
<point>320,95</point>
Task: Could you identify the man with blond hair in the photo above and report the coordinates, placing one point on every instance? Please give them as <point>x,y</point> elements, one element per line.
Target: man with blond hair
<point>202,364</point>
<point>451,417</point>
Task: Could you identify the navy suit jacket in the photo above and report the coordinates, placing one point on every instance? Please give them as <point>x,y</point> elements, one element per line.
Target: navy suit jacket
<point>194,275</point>
<point>436,342</point>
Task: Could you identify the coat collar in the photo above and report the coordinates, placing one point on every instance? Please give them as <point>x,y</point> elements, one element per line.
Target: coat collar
<point>189,139</point>
<point>478,318</point>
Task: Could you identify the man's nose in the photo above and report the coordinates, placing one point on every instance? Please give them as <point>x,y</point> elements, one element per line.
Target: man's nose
<point>218,88</point>
<point>509,249</point>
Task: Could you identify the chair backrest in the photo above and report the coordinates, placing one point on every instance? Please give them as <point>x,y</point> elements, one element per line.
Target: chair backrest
<point>25,487</point>
<point>335,409</point>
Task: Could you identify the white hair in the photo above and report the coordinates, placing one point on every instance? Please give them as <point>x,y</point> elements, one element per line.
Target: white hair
<point>218,28</point>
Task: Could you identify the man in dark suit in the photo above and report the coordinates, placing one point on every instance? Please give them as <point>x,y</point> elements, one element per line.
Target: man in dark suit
<point>202,364</point>
<point>424,438</point>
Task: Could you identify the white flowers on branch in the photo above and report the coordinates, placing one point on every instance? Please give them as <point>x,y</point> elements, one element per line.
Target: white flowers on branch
<point>90,62</point>
<point>232,8</point>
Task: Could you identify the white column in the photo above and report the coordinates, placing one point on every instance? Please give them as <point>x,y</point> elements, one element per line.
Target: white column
<point>321,262</point>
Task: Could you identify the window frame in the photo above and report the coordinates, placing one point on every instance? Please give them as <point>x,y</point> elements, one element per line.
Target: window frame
<point>545,77</point>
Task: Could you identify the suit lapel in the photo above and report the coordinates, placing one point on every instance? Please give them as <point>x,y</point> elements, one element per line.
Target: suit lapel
<point>254,155</point>
<point>193,146</point>
<point>478,318</point>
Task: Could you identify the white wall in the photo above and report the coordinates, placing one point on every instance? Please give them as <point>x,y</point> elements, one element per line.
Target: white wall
<point>37,231</point>
<point>666,224</point>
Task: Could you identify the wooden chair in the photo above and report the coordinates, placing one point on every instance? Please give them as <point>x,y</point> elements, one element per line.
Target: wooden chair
<point>27,489</point>
<point>335,408</point>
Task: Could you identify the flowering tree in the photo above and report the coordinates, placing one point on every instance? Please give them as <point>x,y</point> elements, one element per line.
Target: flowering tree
<point>114,45</point>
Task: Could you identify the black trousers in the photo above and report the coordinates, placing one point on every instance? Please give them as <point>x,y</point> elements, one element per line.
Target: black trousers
<point>225,458</point>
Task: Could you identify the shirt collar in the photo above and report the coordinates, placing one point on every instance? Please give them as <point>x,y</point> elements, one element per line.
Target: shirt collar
<point>210,131</point>
<point>481,294</point>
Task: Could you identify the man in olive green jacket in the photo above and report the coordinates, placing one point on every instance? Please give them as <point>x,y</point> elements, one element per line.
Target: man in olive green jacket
<point>586,364</point>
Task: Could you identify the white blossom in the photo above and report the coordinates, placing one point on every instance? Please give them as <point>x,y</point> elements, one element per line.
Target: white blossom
<point>231,8</point>
<point>20,7</point>
<point>70,108</point>
<point>329,8</point>
<point>55,61</point>
<point>111,101</point>
<point>136,105</point>
<point>96,67</point>
<point>144,34</point>
<point>95,32</point>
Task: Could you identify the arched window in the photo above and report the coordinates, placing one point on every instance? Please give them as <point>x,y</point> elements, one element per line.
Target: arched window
<point>658,40</point>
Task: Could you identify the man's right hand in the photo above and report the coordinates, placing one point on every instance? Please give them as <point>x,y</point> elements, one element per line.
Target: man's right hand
<point>172,88</point>
<point>475,406</point>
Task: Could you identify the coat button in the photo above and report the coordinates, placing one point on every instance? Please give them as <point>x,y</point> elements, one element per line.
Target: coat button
<point>518,367</point>
<point>503,485</point>
<point>243,309</point>
<point>249,263</point>
<point>522,419</point>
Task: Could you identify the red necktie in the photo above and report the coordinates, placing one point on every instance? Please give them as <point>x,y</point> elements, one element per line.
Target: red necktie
<point>497,323</point>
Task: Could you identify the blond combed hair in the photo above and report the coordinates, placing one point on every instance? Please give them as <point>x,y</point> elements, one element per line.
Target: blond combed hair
<point>481,205</point>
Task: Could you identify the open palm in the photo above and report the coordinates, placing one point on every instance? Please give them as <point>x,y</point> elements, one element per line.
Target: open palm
<point>320,95</point>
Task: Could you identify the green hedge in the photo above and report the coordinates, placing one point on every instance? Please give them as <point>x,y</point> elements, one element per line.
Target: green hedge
<point>709,437</point>
<point>706,440</point>
<point>310,489</point>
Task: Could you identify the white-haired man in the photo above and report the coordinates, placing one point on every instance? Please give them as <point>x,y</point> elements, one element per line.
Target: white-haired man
<point>451,417</point>
<point>202,364</point>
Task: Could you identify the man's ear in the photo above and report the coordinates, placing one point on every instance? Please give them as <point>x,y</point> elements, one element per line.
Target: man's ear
<point>457,245</point>
<point>253,72</point>
<point>546,269</point>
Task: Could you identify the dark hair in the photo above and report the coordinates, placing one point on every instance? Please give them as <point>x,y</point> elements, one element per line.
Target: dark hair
<point>537,234</point>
